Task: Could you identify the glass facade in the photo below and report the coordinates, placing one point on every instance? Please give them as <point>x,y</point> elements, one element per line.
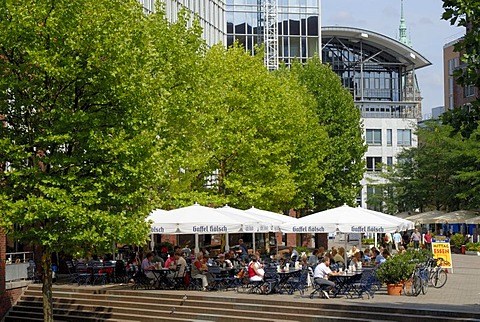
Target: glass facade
<point>369,76</point>
<point>297,25</point>
<point>210,12</point>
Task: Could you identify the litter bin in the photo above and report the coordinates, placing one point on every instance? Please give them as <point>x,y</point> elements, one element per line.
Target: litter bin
<point>463,249</point>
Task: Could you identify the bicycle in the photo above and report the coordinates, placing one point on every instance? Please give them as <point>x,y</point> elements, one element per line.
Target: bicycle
<point>438,276</point>
<point>418,281</point>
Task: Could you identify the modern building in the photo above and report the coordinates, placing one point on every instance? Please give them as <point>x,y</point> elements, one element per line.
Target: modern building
<point>211,14</point>
<point>455,95</point>
<point>289,29</point>
<point>379,72</point>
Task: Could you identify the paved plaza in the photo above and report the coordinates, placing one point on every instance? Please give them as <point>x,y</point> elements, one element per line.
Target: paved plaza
<point>461,292</point>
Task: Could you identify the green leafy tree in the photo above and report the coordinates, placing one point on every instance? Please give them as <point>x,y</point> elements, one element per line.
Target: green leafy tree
<point>441,173</point>
<point>465,14</point>
<point>79,145</point>
<point>343,162</point>
<point>251,136</point>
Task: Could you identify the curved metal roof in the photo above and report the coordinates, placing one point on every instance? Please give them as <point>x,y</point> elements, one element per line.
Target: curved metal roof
<point>404,54</point>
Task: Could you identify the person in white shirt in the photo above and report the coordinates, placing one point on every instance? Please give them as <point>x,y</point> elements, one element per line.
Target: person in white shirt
<point>321,274</point>
<point>397,240</point>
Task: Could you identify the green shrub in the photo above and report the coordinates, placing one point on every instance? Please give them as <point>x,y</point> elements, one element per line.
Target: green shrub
<point>368,241</point>
<point>396,269</point>
<point>457,240</point>
<point>472,247</point>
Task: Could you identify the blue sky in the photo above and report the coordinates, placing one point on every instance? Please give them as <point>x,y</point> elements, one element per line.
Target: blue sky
<point>426,30</point>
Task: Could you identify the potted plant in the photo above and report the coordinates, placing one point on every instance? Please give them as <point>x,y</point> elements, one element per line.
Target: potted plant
<point>395,271</point>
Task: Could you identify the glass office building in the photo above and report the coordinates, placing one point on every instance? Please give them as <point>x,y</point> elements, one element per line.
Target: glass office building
<point>297,26</point>
<point>211,14</point>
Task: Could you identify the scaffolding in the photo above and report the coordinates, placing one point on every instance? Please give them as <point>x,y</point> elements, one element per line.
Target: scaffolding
<point>269,24</point>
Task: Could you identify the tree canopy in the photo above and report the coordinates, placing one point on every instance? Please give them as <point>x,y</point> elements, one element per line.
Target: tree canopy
<point>465,14</point>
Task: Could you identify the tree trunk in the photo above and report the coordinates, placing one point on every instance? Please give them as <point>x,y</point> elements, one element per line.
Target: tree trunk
<point>47,286</point>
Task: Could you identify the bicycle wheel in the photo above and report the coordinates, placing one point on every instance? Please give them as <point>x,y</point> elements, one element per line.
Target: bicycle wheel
<point>439,279</point>
<point>417,285</point>
<point>409,287</point>
<point>424,280</point>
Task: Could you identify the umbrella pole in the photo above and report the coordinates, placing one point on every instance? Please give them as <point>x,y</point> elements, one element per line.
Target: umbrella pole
<point>197,249</point>
<point>227,243</point>
<point>253,243</point>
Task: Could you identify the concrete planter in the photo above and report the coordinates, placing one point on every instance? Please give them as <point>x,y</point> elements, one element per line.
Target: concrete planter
<point>472,252</point>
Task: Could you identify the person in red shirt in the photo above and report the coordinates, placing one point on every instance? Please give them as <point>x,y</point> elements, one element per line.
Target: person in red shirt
<point>427,239</point>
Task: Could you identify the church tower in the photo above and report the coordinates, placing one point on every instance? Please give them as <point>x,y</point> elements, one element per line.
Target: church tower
<point>412,91</point>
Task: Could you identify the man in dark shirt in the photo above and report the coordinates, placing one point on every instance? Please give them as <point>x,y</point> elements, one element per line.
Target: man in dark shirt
<point>242,250</point>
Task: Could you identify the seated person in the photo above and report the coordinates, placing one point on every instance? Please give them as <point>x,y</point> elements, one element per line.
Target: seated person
<point>199,270</point>
<point>339,257</point>
<point>366,255</point>
<point>321,274</point>
<point>294,256</point>
<point>223,262</point>
<point>180,262</point>
<point>356,262</point>
<point>255,269</point>
<point>148,266</point>
<point>379,258</point>
<point>170,262</point>
<point>352,251</point>
<point>313,259</point>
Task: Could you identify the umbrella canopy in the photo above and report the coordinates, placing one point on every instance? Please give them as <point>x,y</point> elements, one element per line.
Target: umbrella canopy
<point>195,219</point>
<point>405,214</point>
<point>474,220</point>
<point>403,224</point>
<point>343,219</point>
<point>251,223</point>
<point>456,217</point>
<point>268,216</point>
<point>428,217</point>
<point>158,226</point>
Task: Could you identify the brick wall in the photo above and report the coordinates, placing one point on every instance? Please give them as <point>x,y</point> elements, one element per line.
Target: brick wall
<point>5,302</point>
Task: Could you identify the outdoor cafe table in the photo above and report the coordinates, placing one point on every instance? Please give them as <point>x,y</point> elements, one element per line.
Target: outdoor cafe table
<point>344,282</point>
<point>284,278</point>
<point>161,279</point>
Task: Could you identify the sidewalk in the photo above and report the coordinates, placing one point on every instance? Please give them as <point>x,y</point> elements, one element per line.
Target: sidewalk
<point>460,293</point>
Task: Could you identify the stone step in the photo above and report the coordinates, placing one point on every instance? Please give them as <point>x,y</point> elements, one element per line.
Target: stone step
<point>120,304</point>
<point>262,303</point>
<point>207,308</point>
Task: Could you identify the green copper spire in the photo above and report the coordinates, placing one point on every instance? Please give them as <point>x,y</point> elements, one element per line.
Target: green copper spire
<point>402,30</point>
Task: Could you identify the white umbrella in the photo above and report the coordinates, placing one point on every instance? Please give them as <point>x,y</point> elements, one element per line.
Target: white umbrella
<point>474,220</point>
<point>197,220</point>
<point>273,218</point>
<point>159,226</point>
<point>456,217</point>
<point>342,219</point>
<point>404,224</point>
<point>426,217</point>
<point>251,224</point>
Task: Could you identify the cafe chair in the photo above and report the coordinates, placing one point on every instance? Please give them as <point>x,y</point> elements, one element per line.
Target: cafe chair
<point>298,283</point>
<point>178,280</point>
<point>72,273</point>
<point>140,280</point>
<point>366,284</point>
<point>98,274</point>
<point>83,276</point>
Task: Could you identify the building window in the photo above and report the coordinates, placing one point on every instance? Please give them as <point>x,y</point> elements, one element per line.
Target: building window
<point>389,137</point>
<point>404,137</point>
<point>389,161</point>
<point>469,90</point>
<point>374,137</point>
<point>374,164</point>
<point>374,198</point>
